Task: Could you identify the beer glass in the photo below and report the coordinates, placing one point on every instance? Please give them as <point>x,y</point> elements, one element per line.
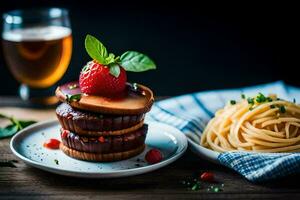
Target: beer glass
<point>37,47</point>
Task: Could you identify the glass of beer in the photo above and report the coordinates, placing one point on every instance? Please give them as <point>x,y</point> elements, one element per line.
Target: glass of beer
<point>37,47</point>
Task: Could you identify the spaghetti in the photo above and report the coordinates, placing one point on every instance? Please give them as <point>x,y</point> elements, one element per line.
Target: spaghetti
<point>260,124</point>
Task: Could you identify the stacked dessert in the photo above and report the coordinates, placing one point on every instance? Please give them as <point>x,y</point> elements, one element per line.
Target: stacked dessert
<point>102,116</point>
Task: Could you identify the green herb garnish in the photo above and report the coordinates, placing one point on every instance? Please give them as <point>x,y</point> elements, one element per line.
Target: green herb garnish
<point>269,99</point>
<point>260,98</point>
<point>131,60</point>
<point>136,62</point>
<point>196,186</point>
<point>114,69</point>
<point>56,161</point>
<point>97,50</point>
<point>272,106</point>
<point>243,96</point>
<point>74,97</point>
<point>250,100</point>
<point>232,102</point>
<point>14,126</point>
<point>282,109</point>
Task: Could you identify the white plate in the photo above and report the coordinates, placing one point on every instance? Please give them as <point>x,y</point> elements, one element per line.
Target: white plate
<point>203,152</point>
<point>28,146</point>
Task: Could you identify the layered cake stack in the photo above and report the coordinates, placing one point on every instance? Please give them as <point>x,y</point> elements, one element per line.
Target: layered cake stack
<point>97,128</point>
<point>102,115</point>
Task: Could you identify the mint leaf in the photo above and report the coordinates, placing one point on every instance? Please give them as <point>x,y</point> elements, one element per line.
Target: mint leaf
<point>74,97</point>
<point>114,69</point>
<point>13,127</point>
<point>26,123</point>
<point>96,49</point>
<point>136,62</point>
<point>8,130</point>
<point>131,60</point>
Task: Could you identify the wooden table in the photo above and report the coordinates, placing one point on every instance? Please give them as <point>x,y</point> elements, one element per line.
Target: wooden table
<point>18,180</point>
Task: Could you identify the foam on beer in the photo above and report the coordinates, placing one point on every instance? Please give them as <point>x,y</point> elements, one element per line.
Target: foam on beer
<point>45,33</point>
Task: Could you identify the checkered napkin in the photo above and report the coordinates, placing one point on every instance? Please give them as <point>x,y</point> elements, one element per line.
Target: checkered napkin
<point>191,112</point>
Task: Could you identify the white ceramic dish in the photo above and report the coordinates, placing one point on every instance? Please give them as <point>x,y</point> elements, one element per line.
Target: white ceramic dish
<point>28,146</point>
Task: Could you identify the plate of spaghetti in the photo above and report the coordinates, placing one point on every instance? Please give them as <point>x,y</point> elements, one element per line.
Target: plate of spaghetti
<point>261,124</point>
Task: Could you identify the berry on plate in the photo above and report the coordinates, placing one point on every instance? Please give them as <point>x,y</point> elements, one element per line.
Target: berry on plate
<point>153,156</point>
<point>52,143</point>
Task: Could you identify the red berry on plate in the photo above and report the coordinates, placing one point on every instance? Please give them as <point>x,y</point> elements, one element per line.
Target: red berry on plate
<point>207,176</point>
<point>52,144</point>
<point>96,79</point>
<point>153,156</point>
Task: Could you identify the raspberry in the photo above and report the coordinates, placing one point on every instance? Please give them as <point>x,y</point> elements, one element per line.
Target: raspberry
<point>153,156</point>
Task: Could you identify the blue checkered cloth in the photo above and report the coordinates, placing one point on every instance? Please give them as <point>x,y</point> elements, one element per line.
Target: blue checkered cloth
<point>190,113</point>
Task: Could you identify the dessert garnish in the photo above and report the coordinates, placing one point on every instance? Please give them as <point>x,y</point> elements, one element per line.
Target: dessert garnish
<point>153,156</point>
<point>102,82</point>
<point>106,75</point>
<point>52,144</point>
<point>73,97</point>
<point>56,161</point>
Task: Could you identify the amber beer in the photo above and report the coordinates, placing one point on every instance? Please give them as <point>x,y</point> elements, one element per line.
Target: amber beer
<point>39,56</point>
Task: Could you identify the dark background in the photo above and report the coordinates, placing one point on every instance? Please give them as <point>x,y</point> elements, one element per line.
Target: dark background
<point>196,46</point>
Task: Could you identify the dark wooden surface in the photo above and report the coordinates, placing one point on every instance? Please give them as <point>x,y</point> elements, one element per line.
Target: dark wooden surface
<point>18,180</point>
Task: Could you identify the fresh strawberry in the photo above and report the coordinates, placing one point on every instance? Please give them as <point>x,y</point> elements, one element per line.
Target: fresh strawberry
<point>96,79</point>
<point>153,156</point>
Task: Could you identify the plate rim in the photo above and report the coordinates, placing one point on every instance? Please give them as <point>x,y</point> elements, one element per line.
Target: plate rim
<point>182,147</point>
<point>203,152</point>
